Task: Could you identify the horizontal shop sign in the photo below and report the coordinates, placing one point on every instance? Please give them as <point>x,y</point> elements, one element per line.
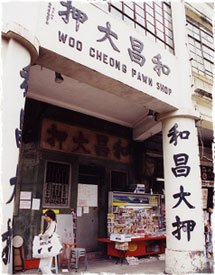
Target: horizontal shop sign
<point>71,139</point>
<point>110,47</point>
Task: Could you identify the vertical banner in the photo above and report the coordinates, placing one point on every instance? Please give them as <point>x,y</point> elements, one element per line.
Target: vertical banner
<point>16,60</point>
<point>183,193</point>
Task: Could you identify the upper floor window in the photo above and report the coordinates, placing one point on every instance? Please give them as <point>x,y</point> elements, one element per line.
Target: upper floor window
<point>154,18</point>
<point>201,46</point>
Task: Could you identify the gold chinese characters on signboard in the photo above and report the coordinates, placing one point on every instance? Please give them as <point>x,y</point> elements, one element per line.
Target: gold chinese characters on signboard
<point>67,138</point>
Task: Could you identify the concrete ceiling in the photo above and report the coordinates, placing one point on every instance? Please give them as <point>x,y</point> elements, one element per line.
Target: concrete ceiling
<point>81,97</point>
<point>74,95</point>
<point>77,95</point>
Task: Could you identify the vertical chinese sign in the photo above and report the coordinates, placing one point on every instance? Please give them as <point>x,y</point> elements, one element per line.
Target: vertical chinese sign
<point>16,62</point>
<point>183,195</point>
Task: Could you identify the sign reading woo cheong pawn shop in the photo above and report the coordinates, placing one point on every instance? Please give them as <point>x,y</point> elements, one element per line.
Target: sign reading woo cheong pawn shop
<point>71,139</point>
<point>83,33</point>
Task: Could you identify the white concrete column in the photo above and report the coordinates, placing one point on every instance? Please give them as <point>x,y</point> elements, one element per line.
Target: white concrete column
<point>15,59</point>
<point>183,197</point>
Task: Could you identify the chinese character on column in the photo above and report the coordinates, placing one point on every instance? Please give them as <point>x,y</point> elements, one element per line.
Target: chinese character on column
<point>181,168</point>
<point>7,237</point>
<point>181,196</point>
<point>24,73</point>
<point>174,134</point>
<point>185,226</point>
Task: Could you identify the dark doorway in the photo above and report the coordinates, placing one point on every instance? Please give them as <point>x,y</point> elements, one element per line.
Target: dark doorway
<point>90,219</point>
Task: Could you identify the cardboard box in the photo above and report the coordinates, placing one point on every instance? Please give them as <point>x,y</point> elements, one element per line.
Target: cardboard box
<point>120,238</point>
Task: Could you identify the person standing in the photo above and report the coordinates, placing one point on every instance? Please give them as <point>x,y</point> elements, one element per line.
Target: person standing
<point>208,230</point>
<point>50,217</point>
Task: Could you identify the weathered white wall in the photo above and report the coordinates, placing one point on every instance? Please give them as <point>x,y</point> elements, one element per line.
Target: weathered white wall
<point>12,101</point>
<point>184,72</point>
<point>24,13</point>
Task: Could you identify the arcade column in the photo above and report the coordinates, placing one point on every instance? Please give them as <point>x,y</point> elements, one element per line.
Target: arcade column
<point>17,56</point>
<point>183,197</point>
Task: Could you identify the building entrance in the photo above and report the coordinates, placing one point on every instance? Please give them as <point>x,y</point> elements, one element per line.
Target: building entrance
<point>91,179</point>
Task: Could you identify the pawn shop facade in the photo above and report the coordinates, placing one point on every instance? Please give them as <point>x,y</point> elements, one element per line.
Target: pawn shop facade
<point>107,102</point>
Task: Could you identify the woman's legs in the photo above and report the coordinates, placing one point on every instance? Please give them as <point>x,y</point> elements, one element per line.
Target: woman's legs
<point>45,265</point>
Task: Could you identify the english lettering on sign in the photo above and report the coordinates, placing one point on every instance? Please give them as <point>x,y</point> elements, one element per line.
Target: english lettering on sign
<point>141,77</point>
<point>108,60</point>
<point>163,88</point>
<point>72,42</point>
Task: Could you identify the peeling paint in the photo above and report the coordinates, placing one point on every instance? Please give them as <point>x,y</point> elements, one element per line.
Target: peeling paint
<point>184,262</point>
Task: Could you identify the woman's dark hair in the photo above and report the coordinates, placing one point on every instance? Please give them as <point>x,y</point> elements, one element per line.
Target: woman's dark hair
<point>51,214</point>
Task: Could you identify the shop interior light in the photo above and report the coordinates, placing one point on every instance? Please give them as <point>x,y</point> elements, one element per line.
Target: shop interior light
<point>159,179</point>
<point>58,77</point>
<point>152,114</point>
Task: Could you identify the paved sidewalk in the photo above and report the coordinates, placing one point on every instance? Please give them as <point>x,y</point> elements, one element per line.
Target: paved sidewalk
<point>151,265</point>
<point>109,266</point>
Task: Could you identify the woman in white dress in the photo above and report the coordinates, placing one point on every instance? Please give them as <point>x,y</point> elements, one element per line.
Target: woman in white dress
<point>45,263</point>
